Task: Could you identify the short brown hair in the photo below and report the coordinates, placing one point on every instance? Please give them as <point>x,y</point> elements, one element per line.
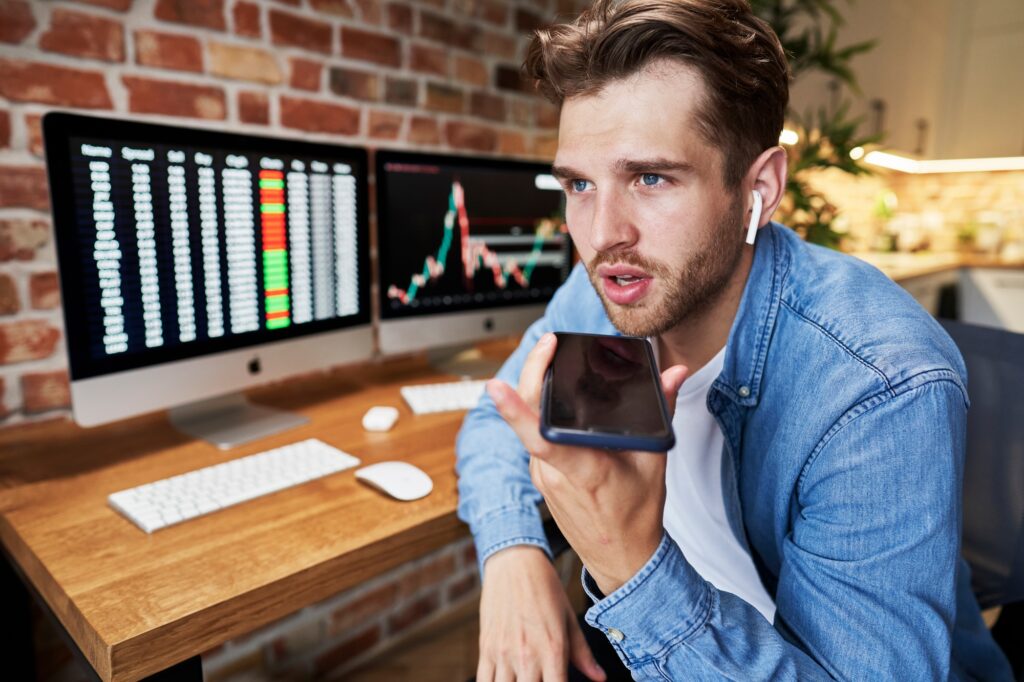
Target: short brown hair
<point>738,56</point>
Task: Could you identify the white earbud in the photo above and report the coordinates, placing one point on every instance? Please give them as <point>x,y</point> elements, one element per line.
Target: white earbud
<point>755,217</point>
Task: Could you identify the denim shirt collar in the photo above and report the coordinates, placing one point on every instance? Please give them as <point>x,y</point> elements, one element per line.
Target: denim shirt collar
<point>747,347</point>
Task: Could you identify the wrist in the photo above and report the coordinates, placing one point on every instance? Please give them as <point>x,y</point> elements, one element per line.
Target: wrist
<point>515,556</point>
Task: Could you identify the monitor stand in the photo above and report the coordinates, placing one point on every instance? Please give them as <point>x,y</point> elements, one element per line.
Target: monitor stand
<point>231,420</point>
<point>464,362</point>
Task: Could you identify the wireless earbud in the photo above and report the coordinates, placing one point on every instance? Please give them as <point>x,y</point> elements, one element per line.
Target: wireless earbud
<point>755,217</point>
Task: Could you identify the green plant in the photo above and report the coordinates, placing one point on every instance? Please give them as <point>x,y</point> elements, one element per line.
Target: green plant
<point>808,31</point>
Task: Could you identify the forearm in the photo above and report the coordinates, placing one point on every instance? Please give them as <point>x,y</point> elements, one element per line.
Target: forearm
<point>675,625</point>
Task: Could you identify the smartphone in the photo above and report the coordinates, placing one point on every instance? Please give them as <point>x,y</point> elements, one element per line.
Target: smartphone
<point>605,392</point>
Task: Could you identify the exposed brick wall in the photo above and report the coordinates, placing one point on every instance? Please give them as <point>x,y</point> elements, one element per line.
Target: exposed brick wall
<point>427,74</point>
<point>432,74</point>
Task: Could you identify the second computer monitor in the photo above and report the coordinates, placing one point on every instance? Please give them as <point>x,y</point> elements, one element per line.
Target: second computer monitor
<point>468,248</point>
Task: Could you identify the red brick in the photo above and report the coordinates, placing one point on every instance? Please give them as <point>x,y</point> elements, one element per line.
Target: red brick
<point>400,18</point>
<point>339,8</point>
<point>10,302</point>
<point>471,70</point>
<point>469,555</point>
<point>429,574</point>
<point>461,587</point>
<point>362,608</point>
<point>385,125</point>
<point>241,62</point>
<point>84,35</point>
<point>42,391</point>
<point>34,127</point>
<point>319,117</point>
<point>413,613</point>
<point>444,98</point>
<point>168,51</point>
<point>426,59</point>
<point>305,74</point>
<point>493,11</point>
<point>16,21</point>
<point>3,413</point>
<point>528,22</point>
<point>423,130</point>
<point>20,238</point>
<point>295,31</point>
<point>253,107</point>
<point>471,136</point>
<point>511,143</point>
<point>401,92</point>
<point>545,146</point>
<point>295,642</point>
<point>44,290</point>
<point>24,186</point>
<point>495,43</point>
<point>5,129</point>
<point>370,46</point>
<point>355,84</point>
<point>346,651</point>
<point>247,19</point>
<point>37,82</point>
<point>204,13</point>
<point>444,30</point>
<point>486,105</point>
<point>369,11</point>
<point>507,77</point>
<point>293,3</point>
<point>521,111</point>
<point>149,96</point>
<point>547,115</point>
<point>26,340</point>
<point>118,5</point>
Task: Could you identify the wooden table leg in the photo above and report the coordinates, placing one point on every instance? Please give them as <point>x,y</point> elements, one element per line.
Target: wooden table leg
<point>16,646</point>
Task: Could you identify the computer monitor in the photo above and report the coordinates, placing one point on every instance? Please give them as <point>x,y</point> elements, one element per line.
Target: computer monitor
<point>196,263</point>
<point>468,248</point>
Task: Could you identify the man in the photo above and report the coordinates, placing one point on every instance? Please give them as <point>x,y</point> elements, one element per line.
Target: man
<point>807,523</point>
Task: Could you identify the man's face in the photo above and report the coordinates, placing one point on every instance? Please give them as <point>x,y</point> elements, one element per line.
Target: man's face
<point>645,203</point>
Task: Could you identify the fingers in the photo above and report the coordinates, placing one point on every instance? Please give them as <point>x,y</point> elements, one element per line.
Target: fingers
<point>580,654</point>
<point>523,420</point>
<point>671,381</point>
<point>485,670</point>
<point>531,377</point>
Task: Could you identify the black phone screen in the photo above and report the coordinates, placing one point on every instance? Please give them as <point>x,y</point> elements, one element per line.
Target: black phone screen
<point>606,384</point>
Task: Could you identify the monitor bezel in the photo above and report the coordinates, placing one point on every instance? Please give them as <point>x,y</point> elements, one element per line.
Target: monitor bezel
<point>60,127</point>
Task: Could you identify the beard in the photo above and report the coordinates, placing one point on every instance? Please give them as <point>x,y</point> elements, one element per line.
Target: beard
<point>683,292</point>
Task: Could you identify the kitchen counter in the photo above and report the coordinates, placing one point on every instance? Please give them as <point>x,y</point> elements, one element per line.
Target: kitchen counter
<point>904,266</point>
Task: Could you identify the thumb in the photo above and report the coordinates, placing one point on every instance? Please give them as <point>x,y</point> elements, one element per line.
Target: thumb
<point>580,654</point>
<point>671,381</point>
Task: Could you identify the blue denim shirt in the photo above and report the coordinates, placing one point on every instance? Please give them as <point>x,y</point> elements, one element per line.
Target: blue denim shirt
<point>843,406</point>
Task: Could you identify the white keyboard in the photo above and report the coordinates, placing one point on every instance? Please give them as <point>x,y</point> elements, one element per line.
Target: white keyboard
<point>454,395</point>
<point>172,500</point>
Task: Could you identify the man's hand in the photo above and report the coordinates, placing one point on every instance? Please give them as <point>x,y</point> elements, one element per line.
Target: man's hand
<point>528,631</point>
<point>609,504</point>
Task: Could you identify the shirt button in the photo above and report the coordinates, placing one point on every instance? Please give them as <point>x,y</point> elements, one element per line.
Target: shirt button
<point>744,391</point>
<point>616,634</point>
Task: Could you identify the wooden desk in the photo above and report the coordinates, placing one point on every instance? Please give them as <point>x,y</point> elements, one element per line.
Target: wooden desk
<point>136,604</point>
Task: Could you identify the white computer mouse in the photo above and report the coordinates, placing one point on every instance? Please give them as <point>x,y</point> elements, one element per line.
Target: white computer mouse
<point>400,480</point>
<point>380,418</point>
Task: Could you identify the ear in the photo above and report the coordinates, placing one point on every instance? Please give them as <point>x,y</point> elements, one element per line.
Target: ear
<point>767,175</point>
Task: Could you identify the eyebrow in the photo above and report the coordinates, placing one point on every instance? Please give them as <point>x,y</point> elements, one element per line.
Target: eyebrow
<point>654,165</point>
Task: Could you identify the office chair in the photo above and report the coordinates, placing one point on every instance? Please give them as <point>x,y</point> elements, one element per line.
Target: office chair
<point>993,502</point>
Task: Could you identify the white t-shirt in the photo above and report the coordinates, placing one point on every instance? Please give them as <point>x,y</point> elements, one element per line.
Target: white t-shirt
<point>695,506</point>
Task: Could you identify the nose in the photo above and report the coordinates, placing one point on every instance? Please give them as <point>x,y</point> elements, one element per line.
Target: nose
<point>611,227</point>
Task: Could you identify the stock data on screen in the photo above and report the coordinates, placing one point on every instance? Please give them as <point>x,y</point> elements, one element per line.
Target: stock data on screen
<point>461,237</point>
<point>181,245</point>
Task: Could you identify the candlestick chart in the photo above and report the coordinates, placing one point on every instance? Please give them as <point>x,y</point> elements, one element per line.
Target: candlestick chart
<point>485,257</point>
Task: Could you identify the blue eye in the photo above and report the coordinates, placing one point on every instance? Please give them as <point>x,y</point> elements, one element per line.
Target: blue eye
<point>578,185</point>
<point>650,179</point>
